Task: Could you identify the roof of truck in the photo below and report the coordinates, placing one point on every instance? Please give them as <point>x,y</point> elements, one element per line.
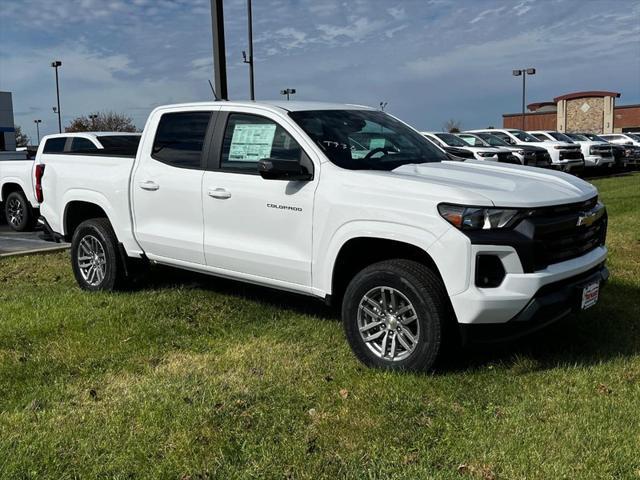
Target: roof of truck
<point>288,105</point>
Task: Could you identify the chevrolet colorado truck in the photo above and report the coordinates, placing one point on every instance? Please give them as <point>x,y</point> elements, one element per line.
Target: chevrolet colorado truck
<point>17,179</point>
<point>340,202</point>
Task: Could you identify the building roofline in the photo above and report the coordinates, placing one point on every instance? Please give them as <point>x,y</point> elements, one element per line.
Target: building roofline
<point>586,94</point>
<point>527,113</point>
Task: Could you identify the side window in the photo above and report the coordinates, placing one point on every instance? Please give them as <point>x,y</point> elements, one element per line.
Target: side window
<point>179,139</point>
<point>250,138</point>
<point>79,144</point>
<point>54,145</point>
<point>542,138</point>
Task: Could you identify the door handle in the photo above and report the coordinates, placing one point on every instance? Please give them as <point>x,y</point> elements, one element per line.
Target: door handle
<point>219,193</point>
<point>149,185</point>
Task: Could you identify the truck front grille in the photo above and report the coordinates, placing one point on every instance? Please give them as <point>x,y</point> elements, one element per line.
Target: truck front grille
<point>570,154</point>
<point>559,234</point>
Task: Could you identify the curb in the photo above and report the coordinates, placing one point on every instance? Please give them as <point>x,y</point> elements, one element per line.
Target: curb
<point>37,251</point>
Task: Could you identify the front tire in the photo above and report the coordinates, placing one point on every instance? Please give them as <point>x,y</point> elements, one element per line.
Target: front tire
<point>18,212</point>
<point>394,314</point>
<point>94,256</point>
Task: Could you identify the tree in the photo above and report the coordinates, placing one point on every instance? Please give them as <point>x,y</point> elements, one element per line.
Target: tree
<point>452,126</point>
<point>22,139</point>
<point>103,122</point>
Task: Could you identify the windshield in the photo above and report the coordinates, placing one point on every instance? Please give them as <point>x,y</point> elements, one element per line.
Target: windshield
<point>366,139</point>
<point>594,137</point>
<point>635,136</point>
<point>560,137</point>
<point>473,140</point>
<point>577,136</point>
<point>524,136</point>
<point>493,140</point>
<point>451,140</point>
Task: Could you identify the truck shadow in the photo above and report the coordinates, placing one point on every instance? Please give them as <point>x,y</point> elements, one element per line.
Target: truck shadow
<point>607,331</point>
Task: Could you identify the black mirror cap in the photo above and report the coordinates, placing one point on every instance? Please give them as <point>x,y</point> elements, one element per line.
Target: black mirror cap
<point>274,169</point>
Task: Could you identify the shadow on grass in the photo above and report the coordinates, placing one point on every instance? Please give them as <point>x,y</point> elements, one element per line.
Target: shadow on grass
<point>608,331</point>
<point>167,277</point>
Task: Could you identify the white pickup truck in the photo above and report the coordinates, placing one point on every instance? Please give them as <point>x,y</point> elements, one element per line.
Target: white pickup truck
<point>17,177</point>
<point>343,203</point>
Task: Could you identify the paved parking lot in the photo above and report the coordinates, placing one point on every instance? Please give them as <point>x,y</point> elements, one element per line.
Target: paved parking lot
<point>15,243</point>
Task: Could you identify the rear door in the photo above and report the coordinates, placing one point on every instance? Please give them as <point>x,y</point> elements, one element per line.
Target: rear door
<point>166,187</point>
<point>260,229</point>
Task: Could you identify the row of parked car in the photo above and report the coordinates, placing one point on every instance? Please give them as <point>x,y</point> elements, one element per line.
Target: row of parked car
<point>569,152</point>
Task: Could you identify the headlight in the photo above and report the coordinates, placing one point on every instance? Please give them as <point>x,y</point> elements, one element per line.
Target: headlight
<point>521,152</point>
<point>486,154</point>
<point>478,218</point>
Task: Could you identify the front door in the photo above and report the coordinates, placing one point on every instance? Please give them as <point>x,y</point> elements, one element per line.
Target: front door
<point>260,229</point>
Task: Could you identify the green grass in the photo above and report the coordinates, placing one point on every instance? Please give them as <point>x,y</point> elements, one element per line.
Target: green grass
<point>194,378</point>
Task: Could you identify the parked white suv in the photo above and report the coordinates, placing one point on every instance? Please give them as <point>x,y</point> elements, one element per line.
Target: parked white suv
<point>526,154</point>
<point>565,156</point>
<point>483,152</point>
<point>622,138</point>
<point>412,245</point>
<point>596,153</point>
<point>17,193</point>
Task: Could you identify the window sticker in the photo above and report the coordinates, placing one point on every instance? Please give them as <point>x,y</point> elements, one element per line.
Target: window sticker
<point>251,142</point>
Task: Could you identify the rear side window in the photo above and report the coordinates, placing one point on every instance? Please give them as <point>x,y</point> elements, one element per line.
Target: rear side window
<point>54,145</point>
<point>179,139</point>
<point>79,144</point>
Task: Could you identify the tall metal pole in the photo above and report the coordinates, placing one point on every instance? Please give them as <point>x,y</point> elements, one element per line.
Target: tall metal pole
<point>37,122</point>
<point>55,65</point>
<point>524,76</point>
<point>219,57</point>
<point>250,30</point>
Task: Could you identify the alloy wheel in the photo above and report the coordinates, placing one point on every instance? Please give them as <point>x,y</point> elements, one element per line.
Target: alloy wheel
<point>388,323</point>
<point>92,261</point>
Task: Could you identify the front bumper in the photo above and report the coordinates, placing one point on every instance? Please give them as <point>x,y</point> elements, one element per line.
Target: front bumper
<point>550,303</point>
<point>597,161</point>
<point>501,304</point>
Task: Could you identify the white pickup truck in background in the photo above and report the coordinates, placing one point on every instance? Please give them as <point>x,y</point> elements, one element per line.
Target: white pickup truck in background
<point>18,196</point>
<point>339,202</point>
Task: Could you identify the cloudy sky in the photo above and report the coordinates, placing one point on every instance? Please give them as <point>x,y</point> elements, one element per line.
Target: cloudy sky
<point>431,60</point>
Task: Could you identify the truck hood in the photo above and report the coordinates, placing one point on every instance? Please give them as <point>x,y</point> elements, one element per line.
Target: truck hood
<point>501,184</point>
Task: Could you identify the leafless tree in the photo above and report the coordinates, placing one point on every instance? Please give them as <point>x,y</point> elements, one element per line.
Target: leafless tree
<point>452,126</point>
<point>22,139</point>
<point>102,122</point>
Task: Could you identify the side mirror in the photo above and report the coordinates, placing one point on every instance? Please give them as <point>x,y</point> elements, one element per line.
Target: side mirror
<point>274,169</point>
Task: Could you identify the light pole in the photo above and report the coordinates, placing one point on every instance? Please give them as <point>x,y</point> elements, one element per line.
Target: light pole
<point>38,122</point>
<point>287,92</point>
<point>244,55</point>
<point>524,72</point>
<point>56,64</point>
<point>93,117</point>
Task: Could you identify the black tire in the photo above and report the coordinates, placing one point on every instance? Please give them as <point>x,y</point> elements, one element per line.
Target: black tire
<point>94,232</point>
<point>18,212</point>
<point>425,293</point>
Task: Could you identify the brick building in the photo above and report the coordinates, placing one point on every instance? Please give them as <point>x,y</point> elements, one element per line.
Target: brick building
<point>592,111</point>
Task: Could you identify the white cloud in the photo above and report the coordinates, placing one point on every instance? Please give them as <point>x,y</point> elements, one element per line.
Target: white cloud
<point>397,13</point>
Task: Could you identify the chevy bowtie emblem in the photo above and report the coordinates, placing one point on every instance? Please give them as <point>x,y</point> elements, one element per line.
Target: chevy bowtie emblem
<point>588,218</point>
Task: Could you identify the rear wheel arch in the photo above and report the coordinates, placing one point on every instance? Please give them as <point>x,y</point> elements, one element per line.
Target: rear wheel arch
<point>9,188</point>
<point>78,211</point>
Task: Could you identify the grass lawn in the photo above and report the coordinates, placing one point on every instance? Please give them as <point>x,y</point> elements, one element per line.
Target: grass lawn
<point>194,378</point>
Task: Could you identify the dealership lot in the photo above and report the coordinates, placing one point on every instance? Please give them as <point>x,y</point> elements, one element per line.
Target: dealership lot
<point>22,243</point>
